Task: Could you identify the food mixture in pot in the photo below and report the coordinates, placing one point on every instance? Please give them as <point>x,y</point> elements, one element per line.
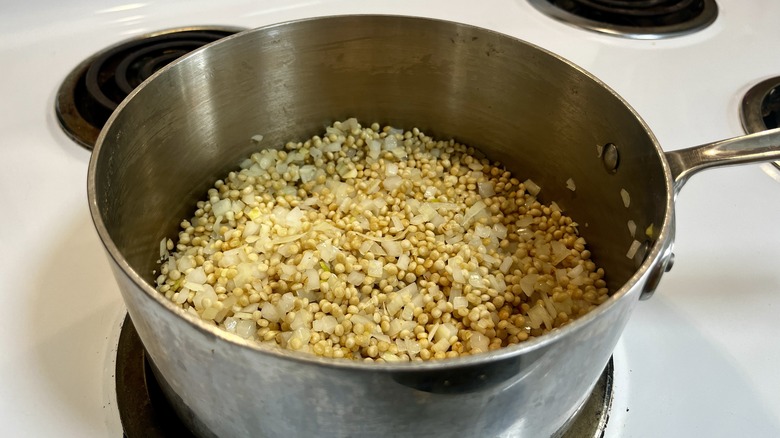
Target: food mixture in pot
<point>379,245</point>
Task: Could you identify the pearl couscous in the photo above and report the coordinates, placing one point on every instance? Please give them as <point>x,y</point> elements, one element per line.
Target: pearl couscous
<point>379,245</point>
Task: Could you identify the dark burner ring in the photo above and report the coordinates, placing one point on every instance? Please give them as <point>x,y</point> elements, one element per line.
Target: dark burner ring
<point>760,109</point>
<point>94,89</point>
<point>647,8</point>
<point>638,19</point>
<point>145,412</point>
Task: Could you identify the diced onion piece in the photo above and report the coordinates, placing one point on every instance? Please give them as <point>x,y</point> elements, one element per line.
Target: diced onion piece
<point>506,264</point>
<point>397,223</point>
<point>391,169</point>
<point>403,262</point>
<point>499,231</point>
<point>390,142</point>
<point>312,280</point>
<point>356,278</point>
<point>163,249</point>
<point>524,221</point>
<point>633,249</point>
<point>326,324</point>
<point>374,147</point>
<point>251,308</point>
<point>478,342</point>
<point>287,271</point>
<point>331,147</point>
<point>392,182</point>
<point>327,251</point>
<point>359,318</point>
<point>246,328</point>
<point>182,296</point>
<point>230,324</point>
<point>346,171</point>
<point>532,187</point>
<point>287,239</point>
<point>473,213</point>
<point>626,197</point>
<point>286,303</point>
<point>489,259</point>
<point>412,346</point>
<point>389,357</point>
<point>257,138</point>
<point>393,248</point>
<point>576,271</point>
<point>542,248</point>
<point>497,283</point>
<point>374,268</point>
<point>537,315</point>
<point>299,337</point>
<point>193,286</point>
<point>221,207</point>
<point>475,280</point>
<point>210,313</point>
<point>197,275</point>
<point>394,305</point>
<point>559,250</point>
<point>301,320</point>
<point>486,189</point>
<point>307,173</point>
<point>433,331</point>
<point>455,238</point>
<point>207,293</point>
<point>527,283</point>
<point>377,249</point>
<point>457,275</point>
<point>185,263</point>
<point>308,261</point>
<point>460,302</point>
<point>426,213</point>
<point>482,231</point>
<point>407,313</point>
<point>365,247</point>
<point>631,228</point>
<point>445,331</point>
<point>548,304</point>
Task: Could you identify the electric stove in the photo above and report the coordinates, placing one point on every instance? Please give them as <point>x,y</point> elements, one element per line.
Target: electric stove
<point>698,358</point>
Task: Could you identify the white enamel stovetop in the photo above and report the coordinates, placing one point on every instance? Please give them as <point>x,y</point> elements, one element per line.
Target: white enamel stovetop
<point>699,359</point>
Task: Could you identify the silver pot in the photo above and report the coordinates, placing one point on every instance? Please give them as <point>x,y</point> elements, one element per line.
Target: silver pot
<point>528,108</point>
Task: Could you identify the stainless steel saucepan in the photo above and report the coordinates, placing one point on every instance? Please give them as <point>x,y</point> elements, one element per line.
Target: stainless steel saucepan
<point>528,108</point>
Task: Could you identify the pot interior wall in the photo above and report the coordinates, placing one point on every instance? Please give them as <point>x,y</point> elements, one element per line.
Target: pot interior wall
<point>540,116</point>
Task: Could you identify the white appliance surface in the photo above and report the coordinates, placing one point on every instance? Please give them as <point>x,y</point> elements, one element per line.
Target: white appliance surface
<point>698,359</point>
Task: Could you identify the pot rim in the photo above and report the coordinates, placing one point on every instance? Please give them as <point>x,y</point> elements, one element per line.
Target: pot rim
<point>652,258</point>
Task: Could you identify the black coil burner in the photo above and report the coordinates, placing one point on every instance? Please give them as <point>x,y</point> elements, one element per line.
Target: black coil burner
<point>92,91</point>
<point>145,411</point>
<point>760,109</point>
<point>640,19</point>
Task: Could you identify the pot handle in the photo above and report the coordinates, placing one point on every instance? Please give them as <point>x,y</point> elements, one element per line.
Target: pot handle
<point>761,146</point>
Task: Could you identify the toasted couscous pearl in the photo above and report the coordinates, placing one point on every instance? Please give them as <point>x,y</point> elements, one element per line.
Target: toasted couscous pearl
<point>380,245</point>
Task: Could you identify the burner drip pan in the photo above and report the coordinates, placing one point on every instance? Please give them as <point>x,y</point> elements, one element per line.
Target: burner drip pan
<point>638,19</point>
<point>92,91</point>
<point>145,412</point>
<point>760,109</point>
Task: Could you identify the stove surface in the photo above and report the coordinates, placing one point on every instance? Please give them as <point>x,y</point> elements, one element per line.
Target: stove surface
<point>699,358</point>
